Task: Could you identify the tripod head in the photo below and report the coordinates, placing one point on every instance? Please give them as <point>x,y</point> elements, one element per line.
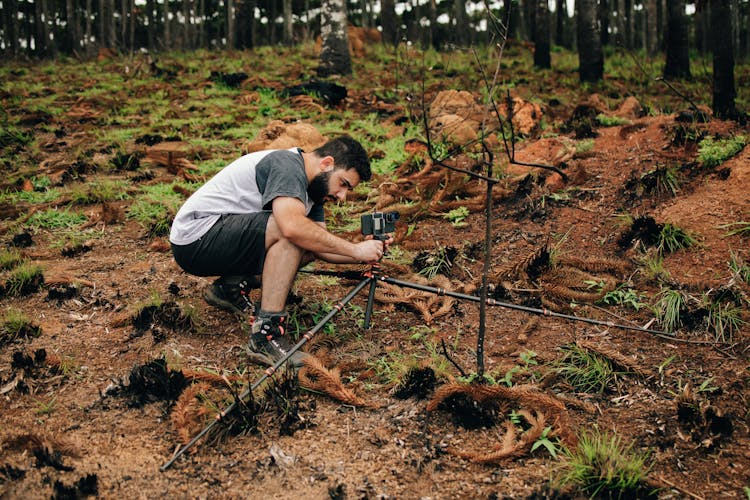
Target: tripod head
<point>379,224</point>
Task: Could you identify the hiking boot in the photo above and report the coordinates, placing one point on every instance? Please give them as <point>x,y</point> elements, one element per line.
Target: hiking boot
<point>269,339</point>
<point>232,293</point>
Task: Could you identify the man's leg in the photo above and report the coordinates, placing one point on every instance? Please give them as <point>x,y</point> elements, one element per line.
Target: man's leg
<point>268,337</point>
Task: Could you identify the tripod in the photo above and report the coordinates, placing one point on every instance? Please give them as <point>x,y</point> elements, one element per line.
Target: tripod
<point>371,277</point>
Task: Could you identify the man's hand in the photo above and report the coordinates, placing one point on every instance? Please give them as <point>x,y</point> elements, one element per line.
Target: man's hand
<point>370,250</point>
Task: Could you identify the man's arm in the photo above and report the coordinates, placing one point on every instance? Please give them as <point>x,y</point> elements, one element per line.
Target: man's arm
<point>289,214</point>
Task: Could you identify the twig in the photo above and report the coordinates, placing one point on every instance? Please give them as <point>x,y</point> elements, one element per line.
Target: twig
<point>678,488</point>
<point>445,353</point>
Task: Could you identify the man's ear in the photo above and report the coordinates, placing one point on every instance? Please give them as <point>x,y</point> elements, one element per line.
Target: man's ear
<point>326,163</point>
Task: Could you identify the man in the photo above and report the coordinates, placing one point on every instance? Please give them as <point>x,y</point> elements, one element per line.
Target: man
<point>263,215</point>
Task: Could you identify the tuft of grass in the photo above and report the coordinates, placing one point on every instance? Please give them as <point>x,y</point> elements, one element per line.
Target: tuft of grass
<point>741,228</point>
<point>611,121</point>
<point>713,152</point>
<point>602,466</point>
<point>10,258</point>
<point>724,320</point>
<point>584,146</point>
<point>669,306</point>
<point>673,238</point>
<point>46,407</point>
<point>100,192</point>
<point>54,218</point>
<point>15,325</point>
<point>24,279</point>
<point>584,370</point>
<point>739,268</point>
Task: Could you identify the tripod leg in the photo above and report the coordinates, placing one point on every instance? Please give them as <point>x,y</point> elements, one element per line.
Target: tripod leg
<point>370,299</point>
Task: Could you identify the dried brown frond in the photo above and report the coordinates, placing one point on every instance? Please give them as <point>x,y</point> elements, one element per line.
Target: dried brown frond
<point>618,359</point>
<point>511,272</point>
<point>553,304</point>
<point>51,444</point>
<point>214,379</point>
<point>558,292</point>
<point>598,265</point>
<point>188,414</point>
<point>316,377</point>
<point>429,305</point>
<point>484,393</point>
<point>572,277</point>
<point>306,102</point>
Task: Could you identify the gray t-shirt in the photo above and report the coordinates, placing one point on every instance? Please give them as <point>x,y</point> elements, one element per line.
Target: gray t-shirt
<point>247,185</point>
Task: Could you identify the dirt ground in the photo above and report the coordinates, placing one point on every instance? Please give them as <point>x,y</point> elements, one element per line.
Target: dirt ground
<point>78,432</point>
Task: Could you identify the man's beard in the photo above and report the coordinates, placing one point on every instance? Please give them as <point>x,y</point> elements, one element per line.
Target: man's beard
<point>318,188</point>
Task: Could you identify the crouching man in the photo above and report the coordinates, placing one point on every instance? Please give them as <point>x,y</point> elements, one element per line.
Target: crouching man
<point>258,220</point>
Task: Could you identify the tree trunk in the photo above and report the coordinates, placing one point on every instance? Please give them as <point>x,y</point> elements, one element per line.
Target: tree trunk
<point>230,25</point>
<point>167,28</point>
<point>651,32</point>
<point>462,23</point>
<point>604,15</point>
<point>723,85</point>
<point>288,33</point>
<point>88,28</point>
<point>334,54</point>
<point>11,27</point>
<point>388,21</point>
<point>151,19</point>
<point>590,56</point>
<point>677,63</point>
<point>541,35</point>
<point>560,15</point>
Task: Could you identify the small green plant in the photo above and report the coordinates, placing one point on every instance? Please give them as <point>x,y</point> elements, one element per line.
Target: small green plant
<point>611,121</point>
<point>46,407</point>
<point>546,442</point>
<point>24,279</point>
<point>16,325</point>
<point>54,218</point>
<point>673,238</point>
<point>713,152</point>
<point>623,296</point>
<point>669,306</point>
<point>436,262</point>
<point>584,146</point>
<point>100,192</point>
<point>10,258</point>
<point>653,266</point>
<point>457,216</point>
<point>724,320</point>
<point>739,269</point>
<point>601,466</point>
<point>741,228</point>
<point>662,180</point>
<point>585,370</point>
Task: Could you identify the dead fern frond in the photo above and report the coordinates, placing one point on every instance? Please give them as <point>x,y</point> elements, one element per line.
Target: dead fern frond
<point>188,413</point>
<point>566,294</point>
<point>618,359</point>
<point>32,441</point>
<point>597,265</point>
<point>316,377</point>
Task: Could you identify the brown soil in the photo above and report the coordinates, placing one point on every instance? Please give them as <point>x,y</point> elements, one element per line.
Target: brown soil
<point>98,438</point>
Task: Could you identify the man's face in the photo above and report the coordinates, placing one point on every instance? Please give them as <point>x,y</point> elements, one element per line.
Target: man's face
<point>332,185</point>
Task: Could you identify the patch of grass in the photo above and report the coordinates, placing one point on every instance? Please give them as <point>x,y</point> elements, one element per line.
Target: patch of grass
<point>9,258</point>
<point>739,269</point>
<point>13,136</point>
<point>24,279</point>
<point>100,192</point>
<point>724,320</point>
<point>602,466</point>
<point>584,146</point>
<point>32,197</point>
<point>46,407</point>
<point>741,228</point>
<point>713,152</point>
<point>611,121</point>
<point>15,325</point>
<point>155,209</point>
<point>624,296</point>
<point>457,216</point>
<point>585,370</point>
<point>669,306</point>
<point>673,238</point>
<point>54,218</point>
<point>653,267</point>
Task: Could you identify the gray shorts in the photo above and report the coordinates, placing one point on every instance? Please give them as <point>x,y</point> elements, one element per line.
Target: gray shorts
<point>235,245</point>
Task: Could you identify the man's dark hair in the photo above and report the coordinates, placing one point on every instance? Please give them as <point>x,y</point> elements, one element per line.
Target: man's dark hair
<point>347,153</point>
